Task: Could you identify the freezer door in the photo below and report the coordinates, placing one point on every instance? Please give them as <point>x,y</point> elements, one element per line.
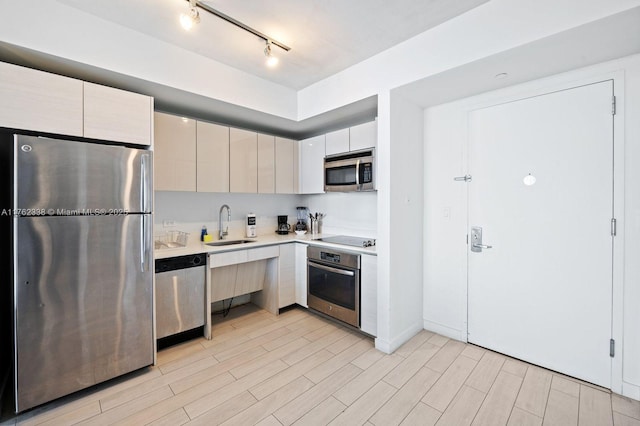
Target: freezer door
<point>83,302</point>
<point>63,177</point>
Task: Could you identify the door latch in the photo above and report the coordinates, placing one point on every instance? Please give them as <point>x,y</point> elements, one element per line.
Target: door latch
<point>465,178</point>
<point>476,240</point>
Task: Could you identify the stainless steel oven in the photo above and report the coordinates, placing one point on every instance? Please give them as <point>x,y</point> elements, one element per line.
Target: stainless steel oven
<point>333,283</point>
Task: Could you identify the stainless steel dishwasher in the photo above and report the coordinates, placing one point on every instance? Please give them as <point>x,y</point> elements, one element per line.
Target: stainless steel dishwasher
<point>180,295</point>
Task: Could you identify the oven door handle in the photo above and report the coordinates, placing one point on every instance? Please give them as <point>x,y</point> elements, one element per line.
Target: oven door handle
<point>330,269</point>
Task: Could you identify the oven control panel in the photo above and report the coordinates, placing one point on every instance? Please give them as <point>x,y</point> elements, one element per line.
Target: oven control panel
<point>329,257</point>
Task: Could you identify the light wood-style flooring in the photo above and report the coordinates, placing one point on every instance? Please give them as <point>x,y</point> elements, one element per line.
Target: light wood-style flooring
<point>298,368</point>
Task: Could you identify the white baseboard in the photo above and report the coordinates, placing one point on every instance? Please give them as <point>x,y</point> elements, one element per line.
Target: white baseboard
<point>631,391</point>
<point>388,346</point>
<point>452,333</point>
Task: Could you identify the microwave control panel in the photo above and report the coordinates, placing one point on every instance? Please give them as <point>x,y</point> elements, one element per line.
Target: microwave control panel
<point>366,174</point>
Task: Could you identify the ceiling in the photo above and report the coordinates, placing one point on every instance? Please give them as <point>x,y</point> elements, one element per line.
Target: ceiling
<point>325,36</point>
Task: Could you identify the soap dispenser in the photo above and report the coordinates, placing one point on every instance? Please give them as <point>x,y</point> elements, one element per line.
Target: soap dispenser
<point>203,233</point>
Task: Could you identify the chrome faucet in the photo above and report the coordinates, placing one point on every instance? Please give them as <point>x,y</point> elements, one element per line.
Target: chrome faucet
<point>225,232</point>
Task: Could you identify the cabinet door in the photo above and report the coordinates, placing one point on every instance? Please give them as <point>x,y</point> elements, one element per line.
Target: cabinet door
<point>250,278</point>
<point>287,275</point>
<point>286,160</point>
<point>368,294</point>
<point>266,164</point>
<point>243,161</point>
<point>223,282</point>
<point>301,274</point>
<point>40,101</point>
<point>212,149</point>
<point>363,136</point>
<point>174,165</point>
<point>337,142</point>
<point>312,153</point>
<point>117,115</point>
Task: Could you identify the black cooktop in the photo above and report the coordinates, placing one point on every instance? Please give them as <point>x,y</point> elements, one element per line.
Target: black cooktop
<point>349,241</point>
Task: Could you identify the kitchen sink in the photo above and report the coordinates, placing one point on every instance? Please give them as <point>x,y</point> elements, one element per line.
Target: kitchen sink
<point>228,242</point>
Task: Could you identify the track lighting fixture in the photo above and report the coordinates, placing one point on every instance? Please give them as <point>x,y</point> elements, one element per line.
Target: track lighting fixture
<point>272,61</point>
<point>193,17</point>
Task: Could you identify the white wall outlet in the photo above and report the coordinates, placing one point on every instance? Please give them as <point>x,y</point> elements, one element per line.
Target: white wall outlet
<point>168,223</point>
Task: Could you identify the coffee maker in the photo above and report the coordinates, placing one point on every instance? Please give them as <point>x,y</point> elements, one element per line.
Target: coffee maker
<point>283,224</point>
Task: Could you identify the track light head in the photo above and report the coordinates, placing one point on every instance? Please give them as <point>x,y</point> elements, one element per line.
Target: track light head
<point>187,20</point>
<point>272,61</point>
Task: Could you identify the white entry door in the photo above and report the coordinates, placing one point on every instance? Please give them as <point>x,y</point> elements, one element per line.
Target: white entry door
<point>542,192</point>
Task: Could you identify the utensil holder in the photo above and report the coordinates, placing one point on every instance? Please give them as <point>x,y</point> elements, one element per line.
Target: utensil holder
<point>315,227</point>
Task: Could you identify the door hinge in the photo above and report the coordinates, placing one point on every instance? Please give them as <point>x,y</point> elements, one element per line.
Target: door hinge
<point>613,105</point>
<point>467,239</point>
<point>612,348</point>
<point>614,227</point>
<point>465,178</point>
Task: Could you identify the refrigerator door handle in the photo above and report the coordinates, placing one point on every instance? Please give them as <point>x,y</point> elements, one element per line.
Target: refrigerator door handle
<point>144,233</point>
<point>144,167</point>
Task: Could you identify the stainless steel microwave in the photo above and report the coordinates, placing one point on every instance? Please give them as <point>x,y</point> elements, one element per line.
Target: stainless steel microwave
<point>350,171</point>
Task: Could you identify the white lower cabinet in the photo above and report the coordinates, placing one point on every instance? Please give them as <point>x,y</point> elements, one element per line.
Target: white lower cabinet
<point>301,274</point>
<point>287,275</point>
<point>368,294</point>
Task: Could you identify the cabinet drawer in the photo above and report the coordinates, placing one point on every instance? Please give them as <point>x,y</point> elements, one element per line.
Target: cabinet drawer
<point>227,258</point>
<point>263,253</point>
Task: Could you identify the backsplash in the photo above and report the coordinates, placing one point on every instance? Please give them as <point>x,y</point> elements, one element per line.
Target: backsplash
<point>345,213</point>
<point>350,213</point>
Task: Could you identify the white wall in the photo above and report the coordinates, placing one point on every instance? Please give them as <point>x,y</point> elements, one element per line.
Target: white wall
<point>63,31</point>
<point>445,230</point>
<point>406,221</point>
<point>445,253</point>
<point>493,27</point>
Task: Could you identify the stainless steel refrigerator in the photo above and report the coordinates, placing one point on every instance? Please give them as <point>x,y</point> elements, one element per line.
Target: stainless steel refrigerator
<point>82,265</point>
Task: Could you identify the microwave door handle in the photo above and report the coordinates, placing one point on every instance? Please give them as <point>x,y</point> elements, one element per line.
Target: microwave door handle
<point>358,171</point>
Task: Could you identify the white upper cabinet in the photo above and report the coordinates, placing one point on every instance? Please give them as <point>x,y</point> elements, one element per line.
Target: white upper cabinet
<point>243,161</point>
<point>212,168</point>
<point>363,136</point>
<point>266,164</point>
<point>337,142</point>
<point>174,161</point>
<point>40,101</point>
<point>286,166</point>
<point>44,102</point>
<point>312,152</point>
<point>117,115</point>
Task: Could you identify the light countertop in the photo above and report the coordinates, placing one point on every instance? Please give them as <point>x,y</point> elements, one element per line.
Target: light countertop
<point>195,247</point>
